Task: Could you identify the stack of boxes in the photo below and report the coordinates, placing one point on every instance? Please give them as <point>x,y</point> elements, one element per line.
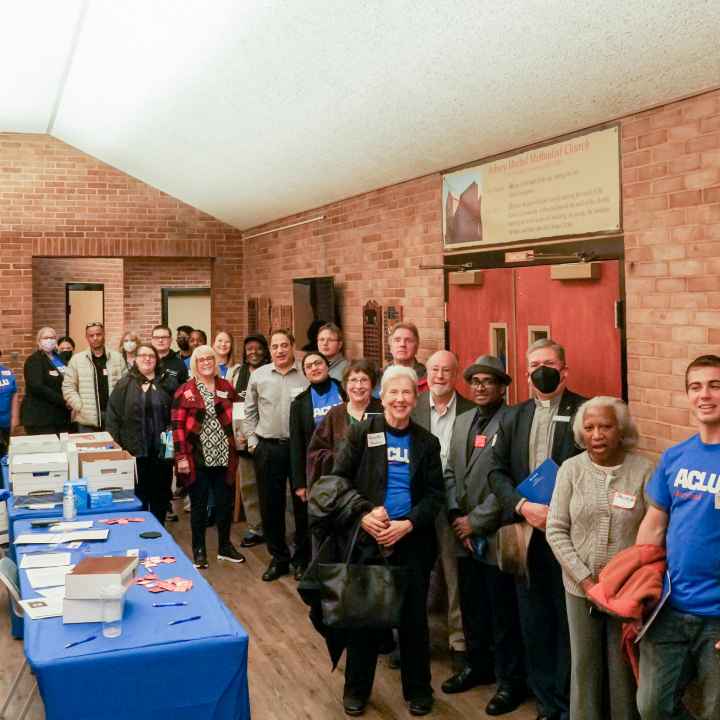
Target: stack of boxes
<point>96,466</point>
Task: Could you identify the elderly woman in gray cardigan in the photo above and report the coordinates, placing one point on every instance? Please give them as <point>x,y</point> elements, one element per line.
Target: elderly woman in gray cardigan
<point>596,509</point>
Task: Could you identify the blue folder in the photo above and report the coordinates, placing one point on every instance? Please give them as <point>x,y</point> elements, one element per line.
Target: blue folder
<point>538,486</point>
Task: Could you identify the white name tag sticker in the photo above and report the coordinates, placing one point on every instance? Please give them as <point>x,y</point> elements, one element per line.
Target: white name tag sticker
<point>561,418</point>
<point>624,501</point>
<point>239,411</point>
<point>376,439</point>
<point>105,371</point>
<point>294,392</point>
<point>222,394</point>
<point>54,373</point>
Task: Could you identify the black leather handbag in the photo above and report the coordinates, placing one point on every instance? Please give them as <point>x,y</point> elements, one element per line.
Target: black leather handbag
<point>355,596</point>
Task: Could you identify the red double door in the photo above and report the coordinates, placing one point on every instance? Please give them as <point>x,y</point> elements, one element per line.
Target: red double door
<point>516,306</point>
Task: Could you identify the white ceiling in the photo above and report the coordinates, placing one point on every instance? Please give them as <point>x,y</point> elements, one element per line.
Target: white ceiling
<point>253,109</point>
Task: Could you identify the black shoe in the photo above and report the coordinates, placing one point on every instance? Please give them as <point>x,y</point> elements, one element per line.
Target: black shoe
<point>465,680</point>
<point>252,539</point>
<point>421,706</point>
<point>299,571</point>
<point>211,518</point>
<point>228,552</point>
<point>200,558</point>
<point>505,700</point>
<point>276,570</point>
<point>354,705</point>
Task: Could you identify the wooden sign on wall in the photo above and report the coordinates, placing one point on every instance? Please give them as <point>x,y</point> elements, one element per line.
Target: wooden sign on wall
<point>372,332</point>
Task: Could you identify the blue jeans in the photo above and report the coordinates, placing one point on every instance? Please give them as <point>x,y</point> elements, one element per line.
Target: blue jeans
<point>677,649</point>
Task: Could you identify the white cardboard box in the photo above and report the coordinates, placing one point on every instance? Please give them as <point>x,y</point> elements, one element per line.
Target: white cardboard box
<point>108,470</point>
<point>75,447</point>
<point>98,436</point>
<point>83,611</point>
<point>38,473</point>
<point>86,580</point>
<point>32,444</point>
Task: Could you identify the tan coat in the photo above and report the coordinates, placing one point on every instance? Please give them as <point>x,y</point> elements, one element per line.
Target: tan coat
<point>79,386</point>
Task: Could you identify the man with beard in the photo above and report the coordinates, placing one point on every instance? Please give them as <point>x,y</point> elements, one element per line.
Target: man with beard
<point>529,434</point>
<point>255,354</point>
<point>182,340</point>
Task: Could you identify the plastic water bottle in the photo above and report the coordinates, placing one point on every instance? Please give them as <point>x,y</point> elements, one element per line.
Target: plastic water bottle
<point>69,511</point>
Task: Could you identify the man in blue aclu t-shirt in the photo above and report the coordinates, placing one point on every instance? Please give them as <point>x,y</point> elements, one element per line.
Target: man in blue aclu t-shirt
<point>685,516</point>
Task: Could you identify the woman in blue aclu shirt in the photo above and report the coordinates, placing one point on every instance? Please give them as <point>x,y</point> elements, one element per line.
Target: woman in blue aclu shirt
<point>307,411</point>
<point>394,466</point>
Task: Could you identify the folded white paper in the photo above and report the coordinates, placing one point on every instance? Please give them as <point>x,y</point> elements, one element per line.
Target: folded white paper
<point>45,560</point>
<point>47,577</point>
<point>58,538</point>
<point>53,592</point>
<point>39,608</point>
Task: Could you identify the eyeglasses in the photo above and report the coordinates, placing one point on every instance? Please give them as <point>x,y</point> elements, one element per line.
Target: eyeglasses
<point>314,364</point>
<point>145,356</point>
<point>95,324</point>
<point>484,384</point>
<point>161,337</point>
<point>206,359</point>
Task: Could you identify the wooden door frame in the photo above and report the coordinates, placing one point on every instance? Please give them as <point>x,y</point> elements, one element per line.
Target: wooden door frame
<point>167,293</point>
<point>82,286</point>
<point>600,248</point>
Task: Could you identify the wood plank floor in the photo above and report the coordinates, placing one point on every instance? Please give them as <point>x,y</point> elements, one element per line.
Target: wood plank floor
<point>289,669</point>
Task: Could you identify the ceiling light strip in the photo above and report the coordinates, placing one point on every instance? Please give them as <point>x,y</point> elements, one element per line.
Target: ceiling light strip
<point>68,64</point>
<point>283,227</point>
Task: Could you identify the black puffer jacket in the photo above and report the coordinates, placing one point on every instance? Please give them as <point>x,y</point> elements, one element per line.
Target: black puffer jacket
<point>125,419</point>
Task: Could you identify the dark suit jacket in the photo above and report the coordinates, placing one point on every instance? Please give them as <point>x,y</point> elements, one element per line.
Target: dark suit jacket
<point>421,413</point>
<point>367,468</point>
<point>43,403</point>
<point>302,427</point>
<point>509,465</point>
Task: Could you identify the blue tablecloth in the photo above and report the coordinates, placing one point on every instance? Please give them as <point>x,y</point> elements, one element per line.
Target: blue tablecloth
<point>196,670</point>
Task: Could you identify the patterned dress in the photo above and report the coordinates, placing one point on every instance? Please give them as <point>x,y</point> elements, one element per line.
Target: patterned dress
<point>213,440</point>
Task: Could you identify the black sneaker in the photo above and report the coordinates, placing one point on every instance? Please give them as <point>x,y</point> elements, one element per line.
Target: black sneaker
<point>200,558</point>
<point>229,553</point>
<point>251,539</point>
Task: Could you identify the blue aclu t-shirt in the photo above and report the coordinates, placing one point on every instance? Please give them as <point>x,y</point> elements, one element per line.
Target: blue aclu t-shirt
<point>323,401</point>
<point>686,485</point>
<point>8,388</point>
<point>398,500</point>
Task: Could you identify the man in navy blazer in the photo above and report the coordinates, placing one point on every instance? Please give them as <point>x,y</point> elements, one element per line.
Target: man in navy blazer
<point>530,433</point>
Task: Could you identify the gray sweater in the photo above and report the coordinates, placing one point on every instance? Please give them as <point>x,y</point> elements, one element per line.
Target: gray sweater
<point>586,526</point>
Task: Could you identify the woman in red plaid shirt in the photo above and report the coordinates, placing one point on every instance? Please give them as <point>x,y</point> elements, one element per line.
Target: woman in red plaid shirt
<point>205,454</point>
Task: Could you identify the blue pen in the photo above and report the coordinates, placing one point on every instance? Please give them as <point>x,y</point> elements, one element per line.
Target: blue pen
<point>80,642</point>
<point>184,620</point>
<point>175,604</point>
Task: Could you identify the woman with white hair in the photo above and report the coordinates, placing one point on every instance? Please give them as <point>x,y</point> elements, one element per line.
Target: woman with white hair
<point>596,509</point>
<point>43,409</point>
<point>205,454</point>
<point>394,466</point>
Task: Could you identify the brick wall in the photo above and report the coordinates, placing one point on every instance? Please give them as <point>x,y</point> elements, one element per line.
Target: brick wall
<point>56,201</point>
<point>671,212</point>
<point>49,278</point>
<point>372,244</point>
<point>144,279</point>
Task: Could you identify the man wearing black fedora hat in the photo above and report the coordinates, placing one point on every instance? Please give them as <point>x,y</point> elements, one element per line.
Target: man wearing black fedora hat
<point>487,595</point>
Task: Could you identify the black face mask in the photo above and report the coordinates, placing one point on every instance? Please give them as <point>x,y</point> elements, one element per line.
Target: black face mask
<point>65,356</point>
<point>546,379</point>
<point>183,343</point>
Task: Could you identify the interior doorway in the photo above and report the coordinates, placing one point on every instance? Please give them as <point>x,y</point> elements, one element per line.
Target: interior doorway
<point>84,304</point>
<point>513,307</point>
<point>187,306</point>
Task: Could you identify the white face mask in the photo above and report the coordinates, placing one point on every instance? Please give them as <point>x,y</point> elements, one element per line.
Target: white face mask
<point>129,346</point>
<point>48,344</point>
